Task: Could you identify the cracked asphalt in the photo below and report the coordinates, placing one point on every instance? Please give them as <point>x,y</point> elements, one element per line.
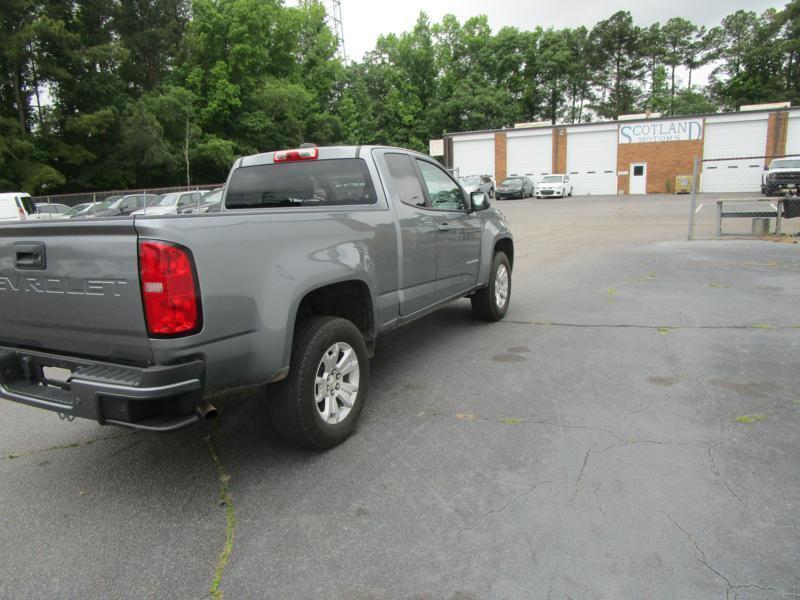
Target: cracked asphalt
<point>629,431</point>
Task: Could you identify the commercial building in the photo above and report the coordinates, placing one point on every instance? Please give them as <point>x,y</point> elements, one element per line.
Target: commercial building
<point>637,154</point>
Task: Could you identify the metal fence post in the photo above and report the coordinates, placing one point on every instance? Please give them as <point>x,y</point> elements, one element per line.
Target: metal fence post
<point>719,218</point>
<point>693,204</point>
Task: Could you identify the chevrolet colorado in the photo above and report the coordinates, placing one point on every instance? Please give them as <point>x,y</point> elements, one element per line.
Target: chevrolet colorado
<point>139,321</point>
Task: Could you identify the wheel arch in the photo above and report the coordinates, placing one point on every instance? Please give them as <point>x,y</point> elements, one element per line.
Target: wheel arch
<point>350,299</point>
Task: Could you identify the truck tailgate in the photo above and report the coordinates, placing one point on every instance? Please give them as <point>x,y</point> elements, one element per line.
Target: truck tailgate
<point>73,288</point>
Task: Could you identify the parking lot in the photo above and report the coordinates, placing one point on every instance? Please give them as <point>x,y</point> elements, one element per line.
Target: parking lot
<point>630,430</point>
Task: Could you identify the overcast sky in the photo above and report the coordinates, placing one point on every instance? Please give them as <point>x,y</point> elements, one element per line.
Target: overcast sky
<point>365,20</point>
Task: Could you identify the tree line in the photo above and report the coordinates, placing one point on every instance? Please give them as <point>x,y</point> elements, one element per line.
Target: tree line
<point>110,94</point>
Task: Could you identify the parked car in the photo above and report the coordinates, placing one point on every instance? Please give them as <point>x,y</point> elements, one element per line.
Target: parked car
<point>482,183</point>
<point>47,211</point>
<point>16,206</point>
<point>783,175</point>
<point>210,202</point>
<point>554,185</point>
<point>287,289</point>
<point>171,203</point>
<point>78,210</point>
<point>116,206</point>
<point>515,187</point>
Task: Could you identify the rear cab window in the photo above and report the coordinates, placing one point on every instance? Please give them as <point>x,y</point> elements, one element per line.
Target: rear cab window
<point>317,183</point>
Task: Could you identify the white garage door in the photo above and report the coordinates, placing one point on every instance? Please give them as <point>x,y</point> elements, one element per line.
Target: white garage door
<point>529,154</point>
<point>473,156</point>
<point>592,160</point>
<point>730,140</point>
<point>793,133</point>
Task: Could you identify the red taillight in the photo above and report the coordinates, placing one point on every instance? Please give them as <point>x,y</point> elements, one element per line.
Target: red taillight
<point>169,289</point>
<point>299,154</point>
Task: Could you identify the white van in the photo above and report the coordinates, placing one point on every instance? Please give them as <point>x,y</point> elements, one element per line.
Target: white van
<point>16,206</point>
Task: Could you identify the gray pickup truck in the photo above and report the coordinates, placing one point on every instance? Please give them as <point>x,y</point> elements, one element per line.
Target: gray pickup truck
<point>142,321</point>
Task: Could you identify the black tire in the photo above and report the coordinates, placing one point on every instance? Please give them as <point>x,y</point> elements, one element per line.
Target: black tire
<point>293,408</point>
<point>491,193</point>
<point>484,304</point>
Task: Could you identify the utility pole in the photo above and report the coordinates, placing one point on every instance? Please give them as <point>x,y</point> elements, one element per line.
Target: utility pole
<point>335,16</point>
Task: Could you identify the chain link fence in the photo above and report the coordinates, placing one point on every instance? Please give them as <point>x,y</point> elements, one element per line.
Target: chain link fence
<point>95,197</point>
<point>745,196</point>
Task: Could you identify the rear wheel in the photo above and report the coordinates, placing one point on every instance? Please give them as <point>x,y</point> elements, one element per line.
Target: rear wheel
<point>491,302</point>
<point>319,402</point>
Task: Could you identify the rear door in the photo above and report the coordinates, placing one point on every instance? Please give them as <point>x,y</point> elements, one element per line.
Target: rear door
<point>458,231</point>
<point>72,287</point>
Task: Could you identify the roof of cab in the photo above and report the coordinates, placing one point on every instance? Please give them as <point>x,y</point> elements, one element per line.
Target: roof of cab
<point>5,195</point>
<point>325,153</point>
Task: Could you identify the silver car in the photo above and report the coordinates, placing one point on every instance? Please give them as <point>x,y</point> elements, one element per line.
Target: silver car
<point>478,183</point>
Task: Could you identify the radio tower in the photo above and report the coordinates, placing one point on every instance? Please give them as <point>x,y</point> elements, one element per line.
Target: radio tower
<point>334,11</point>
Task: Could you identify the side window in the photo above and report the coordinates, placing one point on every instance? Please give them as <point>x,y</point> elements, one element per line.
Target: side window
<point>443,191</point>
<point>130,203</point>
<point>185,199</point>
<point>405,180</point>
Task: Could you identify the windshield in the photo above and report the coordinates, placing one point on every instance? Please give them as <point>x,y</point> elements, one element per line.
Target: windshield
<point>27,204</point>
<point>786,164</point>
<point>469,180</point>
<point>167,200</point>
<point>552,179</point>
<point>77,209</point>
<point>214,196</point>
<point>512,181</point>
<point>309,183</point>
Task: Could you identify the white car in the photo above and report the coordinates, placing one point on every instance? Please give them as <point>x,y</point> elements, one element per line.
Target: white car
<point>170,204</point>
<point>16,206</point>
<point>47,212</point>
<point>554,185</point>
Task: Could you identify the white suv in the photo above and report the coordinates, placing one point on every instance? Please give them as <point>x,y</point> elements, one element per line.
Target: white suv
<point>16,206</point>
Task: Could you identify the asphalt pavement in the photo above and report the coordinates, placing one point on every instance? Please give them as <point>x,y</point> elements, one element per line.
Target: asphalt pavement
<point>630,430</point>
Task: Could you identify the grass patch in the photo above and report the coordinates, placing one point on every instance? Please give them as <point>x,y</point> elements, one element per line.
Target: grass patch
<point>750,418</point>
<point>663,330</point>
<point>718,285</point>
<point>761,326</point>
<point>225,500</point>
<point>512,421</point>
<point>610,297</point>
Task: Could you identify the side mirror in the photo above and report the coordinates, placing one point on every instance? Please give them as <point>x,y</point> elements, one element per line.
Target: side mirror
<point>480,201</point>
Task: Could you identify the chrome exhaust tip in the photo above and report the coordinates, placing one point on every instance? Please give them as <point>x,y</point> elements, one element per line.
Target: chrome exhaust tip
<point>206,410</point>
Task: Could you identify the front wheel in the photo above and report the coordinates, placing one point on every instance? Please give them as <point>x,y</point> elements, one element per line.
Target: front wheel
<point>319,402</point>
<point>491,302</point>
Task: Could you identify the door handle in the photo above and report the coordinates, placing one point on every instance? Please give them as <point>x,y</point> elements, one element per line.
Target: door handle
<point>29,255</point>
<point>444,227</point>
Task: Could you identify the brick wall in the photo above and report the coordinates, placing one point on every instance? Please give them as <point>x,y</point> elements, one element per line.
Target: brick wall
<point>665,160</point>
<point>559,150</point>
<point>500,156</point>
<point>776,135</point>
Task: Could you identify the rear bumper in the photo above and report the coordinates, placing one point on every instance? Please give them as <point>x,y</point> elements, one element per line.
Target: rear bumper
<point>160,398</point>
<point>507,195</point>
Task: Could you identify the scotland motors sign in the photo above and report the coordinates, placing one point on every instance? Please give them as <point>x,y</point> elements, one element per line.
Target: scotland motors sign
<point>678,130</point>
